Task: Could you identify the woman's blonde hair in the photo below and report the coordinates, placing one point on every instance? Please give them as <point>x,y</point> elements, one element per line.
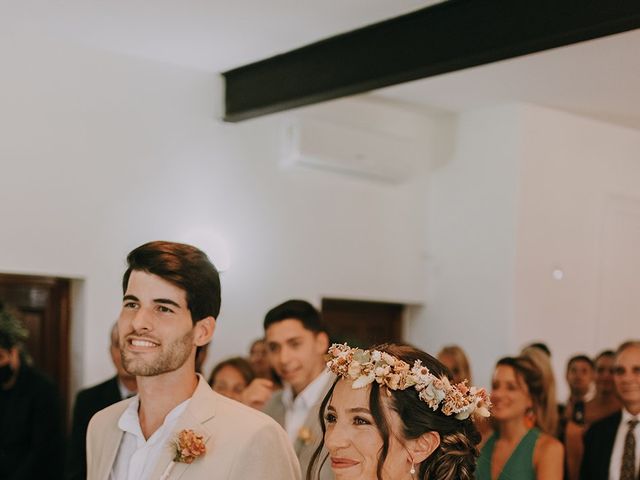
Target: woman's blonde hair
<point>461,368</point>
<point>533,366</point>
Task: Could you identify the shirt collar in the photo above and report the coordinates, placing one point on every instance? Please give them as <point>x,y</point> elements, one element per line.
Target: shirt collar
<point>626,416</point>
<point>311,393</point>
<point>130,421</point>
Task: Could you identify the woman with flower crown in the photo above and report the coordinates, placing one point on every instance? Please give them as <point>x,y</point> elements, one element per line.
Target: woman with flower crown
<point>524,420</point>
<point>393,414</point>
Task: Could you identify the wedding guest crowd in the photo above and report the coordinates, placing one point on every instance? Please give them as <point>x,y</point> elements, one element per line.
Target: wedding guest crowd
<point>528,436</point>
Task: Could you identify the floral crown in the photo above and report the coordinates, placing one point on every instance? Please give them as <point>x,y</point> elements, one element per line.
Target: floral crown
<point>366,366</point>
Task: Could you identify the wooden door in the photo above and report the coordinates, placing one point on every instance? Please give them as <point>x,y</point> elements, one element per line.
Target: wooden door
<point>363,324</point>
<point>43,306</point>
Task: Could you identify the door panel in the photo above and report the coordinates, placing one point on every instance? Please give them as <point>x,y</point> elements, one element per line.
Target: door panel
<point>363,324</point>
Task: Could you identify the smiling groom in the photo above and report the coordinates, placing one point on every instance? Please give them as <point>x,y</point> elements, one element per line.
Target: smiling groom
<point>170,303</point>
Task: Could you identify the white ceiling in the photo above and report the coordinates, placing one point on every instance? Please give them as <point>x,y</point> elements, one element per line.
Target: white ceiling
<point>600,78</point>
<point>213,35</point>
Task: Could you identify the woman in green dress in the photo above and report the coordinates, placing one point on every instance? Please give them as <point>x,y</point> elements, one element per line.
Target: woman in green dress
<point>519,447</point>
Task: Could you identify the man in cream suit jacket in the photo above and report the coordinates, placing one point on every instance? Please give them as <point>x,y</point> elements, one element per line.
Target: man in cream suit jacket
<point>171,299</point>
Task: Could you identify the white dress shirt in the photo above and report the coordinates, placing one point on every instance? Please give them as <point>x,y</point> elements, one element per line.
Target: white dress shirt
<point>297,409</point>
<point>137,456</point>
<point>618,446</point>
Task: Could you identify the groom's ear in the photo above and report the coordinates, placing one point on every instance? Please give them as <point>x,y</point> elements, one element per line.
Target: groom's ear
<point>420,448</point>
<point>204,329</point>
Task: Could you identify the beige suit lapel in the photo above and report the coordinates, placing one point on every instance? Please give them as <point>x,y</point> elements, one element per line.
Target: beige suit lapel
<point>201,408</point>
<point>112,442</point>
<point>109,443</point>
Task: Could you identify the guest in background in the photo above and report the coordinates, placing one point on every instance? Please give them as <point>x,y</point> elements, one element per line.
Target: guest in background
<point>540,346</point>
<point>522,446</point>
<point>90,401</point>
<point>259,359</point>
<point>603,404</point>
<point>542,361</point>
<point>611,445</point>
<point>580,374</point>
<point>297,341</point>
<point>31,431</point>
<point>230,377</point>
<point>454,358</point>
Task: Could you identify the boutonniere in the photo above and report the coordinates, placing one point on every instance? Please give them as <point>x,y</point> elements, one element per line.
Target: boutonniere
<point>188,446</point>
<point>305,435</point>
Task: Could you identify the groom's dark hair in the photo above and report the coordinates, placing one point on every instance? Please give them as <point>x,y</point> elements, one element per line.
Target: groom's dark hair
<point>184,266</point>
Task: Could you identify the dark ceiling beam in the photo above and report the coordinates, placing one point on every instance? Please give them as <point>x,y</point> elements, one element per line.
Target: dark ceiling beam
<point>445,37</point>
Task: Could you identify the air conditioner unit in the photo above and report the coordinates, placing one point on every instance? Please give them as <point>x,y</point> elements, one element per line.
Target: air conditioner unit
<point>336,147</point>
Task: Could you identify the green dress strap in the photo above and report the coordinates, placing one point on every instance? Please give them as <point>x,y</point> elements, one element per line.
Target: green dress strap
<point>519,466</point>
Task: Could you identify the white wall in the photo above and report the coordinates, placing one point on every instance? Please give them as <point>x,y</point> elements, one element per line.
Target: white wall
<point>528,191</point>
<point>579,213</point>
<point>471,241</point>
<point>101,153</point>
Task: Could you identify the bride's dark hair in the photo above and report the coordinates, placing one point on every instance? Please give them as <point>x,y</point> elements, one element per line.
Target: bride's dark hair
<point>455,457</point>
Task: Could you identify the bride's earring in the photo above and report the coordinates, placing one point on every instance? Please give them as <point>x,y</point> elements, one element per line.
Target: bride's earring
<point>412,472</point>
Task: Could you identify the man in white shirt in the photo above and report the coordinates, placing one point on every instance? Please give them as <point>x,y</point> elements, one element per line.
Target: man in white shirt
<point>171,299</point>
<point>297,342</point>
<point>612,445</point>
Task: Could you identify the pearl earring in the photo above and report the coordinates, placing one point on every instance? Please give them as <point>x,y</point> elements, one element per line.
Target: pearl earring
<point>413,469</point>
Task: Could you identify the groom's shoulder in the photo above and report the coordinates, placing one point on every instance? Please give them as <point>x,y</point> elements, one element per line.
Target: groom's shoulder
<point>104,417</point>
<point>243,417</point>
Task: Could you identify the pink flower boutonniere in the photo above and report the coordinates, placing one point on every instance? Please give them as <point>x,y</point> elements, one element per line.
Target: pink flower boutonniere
<point>188,446</point>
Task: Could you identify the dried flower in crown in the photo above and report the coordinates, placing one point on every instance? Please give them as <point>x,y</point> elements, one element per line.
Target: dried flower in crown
<point>363,367</point>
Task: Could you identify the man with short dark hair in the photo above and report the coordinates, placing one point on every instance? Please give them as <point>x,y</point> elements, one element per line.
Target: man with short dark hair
<point>31,433</point>
<point>612,445</point>
<point>580,375</point>
<point>297,341</point>
<point>177,427</point>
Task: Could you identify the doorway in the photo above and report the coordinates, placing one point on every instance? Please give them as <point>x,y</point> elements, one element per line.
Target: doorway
<point>363,324</point>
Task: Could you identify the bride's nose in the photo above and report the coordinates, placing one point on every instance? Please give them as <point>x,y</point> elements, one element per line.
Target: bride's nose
<point>337,436</point>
